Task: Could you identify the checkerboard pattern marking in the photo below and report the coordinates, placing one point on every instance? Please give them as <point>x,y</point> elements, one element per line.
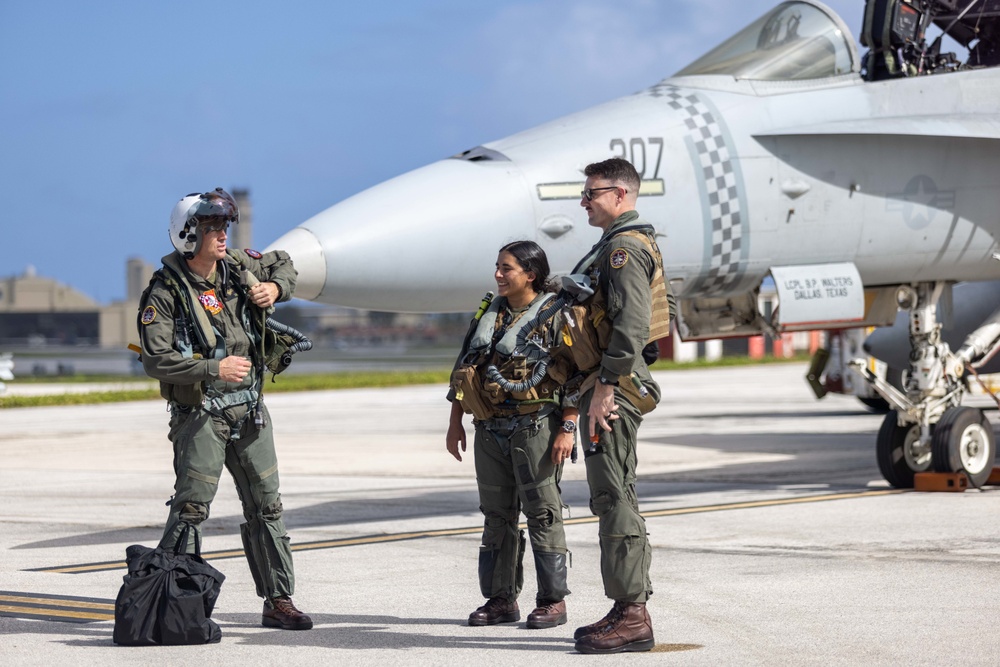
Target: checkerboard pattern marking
<point>720,185</point>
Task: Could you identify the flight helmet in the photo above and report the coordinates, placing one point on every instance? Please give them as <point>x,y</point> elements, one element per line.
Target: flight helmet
<point>196,211</point>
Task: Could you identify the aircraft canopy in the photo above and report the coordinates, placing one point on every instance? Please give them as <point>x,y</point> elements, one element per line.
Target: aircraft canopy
<point>793,41</point>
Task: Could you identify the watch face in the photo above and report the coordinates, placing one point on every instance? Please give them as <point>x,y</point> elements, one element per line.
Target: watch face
<point>569,426</point>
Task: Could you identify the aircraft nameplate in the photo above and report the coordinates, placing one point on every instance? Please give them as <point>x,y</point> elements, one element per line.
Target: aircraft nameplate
<point>819,295</point>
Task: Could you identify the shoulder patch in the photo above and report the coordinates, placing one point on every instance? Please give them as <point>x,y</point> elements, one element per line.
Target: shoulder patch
<point>253,253</point>
<point>619,258</point>
<point>210,301</point>
<point>148,315</point>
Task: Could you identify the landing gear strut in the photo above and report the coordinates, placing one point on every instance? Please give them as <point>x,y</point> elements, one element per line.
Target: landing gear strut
<point>927,425</point>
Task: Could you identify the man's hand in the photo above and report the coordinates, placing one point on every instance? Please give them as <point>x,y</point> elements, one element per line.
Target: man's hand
<point>562,446</point>
<point>602,407</point>
<point>234,369</point>
<point>264,295</point>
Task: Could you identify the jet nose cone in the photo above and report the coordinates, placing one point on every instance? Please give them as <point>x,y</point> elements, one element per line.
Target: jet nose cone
<point>409,244</point>
<point>307,255</point>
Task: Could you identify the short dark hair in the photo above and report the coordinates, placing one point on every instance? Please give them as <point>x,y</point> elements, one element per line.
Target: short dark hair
<point>615,170</point>
<point>531,258</point>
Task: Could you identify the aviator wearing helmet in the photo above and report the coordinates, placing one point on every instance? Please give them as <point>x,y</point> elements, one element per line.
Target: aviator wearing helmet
<point>203,334</point>
<point>197,213</point>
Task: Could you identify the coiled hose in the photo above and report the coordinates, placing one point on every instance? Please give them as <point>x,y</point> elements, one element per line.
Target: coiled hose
<point>529,351</point>
<point>301,344</point>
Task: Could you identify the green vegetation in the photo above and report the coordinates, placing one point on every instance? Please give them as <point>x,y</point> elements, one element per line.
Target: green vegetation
<point>283,383</point>
<point>286,383</point>
<point>86,398</point>
<point>726,361</point>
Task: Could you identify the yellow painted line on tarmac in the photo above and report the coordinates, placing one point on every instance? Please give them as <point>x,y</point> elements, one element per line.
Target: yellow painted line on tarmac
<point>449,532</point>
<point>62,602</point>
<point>55,607</point>
<point>770,503</point>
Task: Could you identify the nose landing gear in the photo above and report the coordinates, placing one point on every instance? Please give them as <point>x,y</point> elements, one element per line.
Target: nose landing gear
<point>928,428</point>
<point>963,441</point>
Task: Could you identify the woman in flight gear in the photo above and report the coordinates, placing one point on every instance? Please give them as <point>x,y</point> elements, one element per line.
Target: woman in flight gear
<point>506,379</point>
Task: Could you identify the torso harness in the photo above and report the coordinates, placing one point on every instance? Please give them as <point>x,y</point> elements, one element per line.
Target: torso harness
<point>486,389</point>
<point>505,369</point>
<point>194,334</point>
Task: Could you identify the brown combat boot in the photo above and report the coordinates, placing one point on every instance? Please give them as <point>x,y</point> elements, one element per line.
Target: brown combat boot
<point>632,630</point>
<point>610,617</point>
<point>547,615</point>
<point>281,613</point>
<point>496,610</point>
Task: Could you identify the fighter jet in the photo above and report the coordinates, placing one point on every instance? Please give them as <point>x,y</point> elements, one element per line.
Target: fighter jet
<point>859,186</point>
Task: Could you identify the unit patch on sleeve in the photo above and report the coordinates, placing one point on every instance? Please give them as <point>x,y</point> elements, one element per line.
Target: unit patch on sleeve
<point>253,253</point>
<point>210,302</point>
<point>148,315</point>
<point>619,258</point>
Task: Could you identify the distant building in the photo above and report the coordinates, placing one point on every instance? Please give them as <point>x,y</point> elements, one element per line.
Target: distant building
<point>35,310</point>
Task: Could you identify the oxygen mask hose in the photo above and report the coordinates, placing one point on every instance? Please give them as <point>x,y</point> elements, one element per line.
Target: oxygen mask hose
<point>248,280</point>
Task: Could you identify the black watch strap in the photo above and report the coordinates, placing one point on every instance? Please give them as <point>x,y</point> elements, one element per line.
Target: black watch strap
<point>605,381</point>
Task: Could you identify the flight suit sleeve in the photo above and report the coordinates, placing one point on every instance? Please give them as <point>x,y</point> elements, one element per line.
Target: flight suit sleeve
<point>276,267</point>
<point>160,358</point>
<point>628,268</point>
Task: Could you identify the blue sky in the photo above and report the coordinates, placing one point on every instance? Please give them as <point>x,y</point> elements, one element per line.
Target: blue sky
<point>111,111</point>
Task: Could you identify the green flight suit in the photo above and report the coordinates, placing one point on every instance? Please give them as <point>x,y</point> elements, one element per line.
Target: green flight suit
<point>611,469</point>
<point>515,473</point>
<point>220,432</point>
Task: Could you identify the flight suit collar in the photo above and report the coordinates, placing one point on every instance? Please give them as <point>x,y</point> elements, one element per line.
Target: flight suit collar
<point>625,218</point>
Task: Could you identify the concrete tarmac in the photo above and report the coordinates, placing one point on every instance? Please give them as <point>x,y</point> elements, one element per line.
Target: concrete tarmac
<point>775,541</point>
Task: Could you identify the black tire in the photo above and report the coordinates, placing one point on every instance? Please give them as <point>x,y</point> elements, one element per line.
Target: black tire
<point>963,441</point>
<point>897,460</point>
<point>876,404</point>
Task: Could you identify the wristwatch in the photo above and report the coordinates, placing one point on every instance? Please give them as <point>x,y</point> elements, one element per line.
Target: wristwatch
<point>569,426</point>
<point>605,381</point>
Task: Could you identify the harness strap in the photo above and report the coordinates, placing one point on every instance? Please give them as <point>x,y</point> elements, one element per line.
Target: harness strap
<point>219,402</point>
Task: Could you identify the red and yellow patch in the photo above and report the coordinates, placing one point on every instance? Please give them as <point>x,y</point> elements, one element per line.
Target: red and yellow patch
<point>210,302</point>
<point>619,258</point>
<point>148,315</point>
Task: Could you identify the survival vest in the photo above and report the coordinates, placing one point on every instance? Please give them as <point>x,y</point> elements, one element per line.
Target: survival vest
<point>196,337</point>
<point>474,380</point>
<point>587,328</point>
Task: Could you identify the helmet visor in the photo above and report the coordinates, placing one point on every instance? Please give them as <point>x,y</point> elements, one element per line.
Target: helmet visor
<point>215,207</point>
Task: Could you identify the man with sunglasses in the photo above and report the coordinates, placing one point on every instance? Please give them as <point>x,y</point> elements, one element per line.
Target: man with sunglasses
<point>626,271</point>
<point>200,324</point>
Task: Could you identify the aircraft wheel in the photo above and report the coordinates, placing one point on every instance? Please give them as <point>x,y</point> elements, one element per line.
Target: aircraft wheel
<point>876,404</point>
<point>899,452</point>
<point>963,441</point>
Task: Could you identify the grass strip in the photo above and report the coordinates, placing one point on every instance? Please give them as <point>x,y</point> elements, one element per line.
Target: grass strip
<point>328,381</point>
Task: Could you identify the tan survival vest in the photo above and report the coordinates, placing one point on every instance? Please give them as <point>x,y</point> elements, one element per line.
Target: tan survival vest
<point>484,398</point>
<point>587,328</point>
